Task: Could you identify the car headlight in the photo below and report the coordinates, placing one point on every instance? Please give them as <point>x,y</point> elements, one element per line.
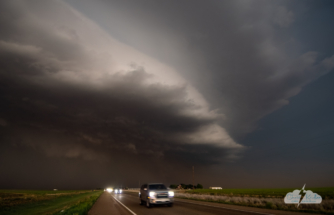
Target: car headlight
<point>116,191</point>
<point>152,194</point>
<point>171,193</point>
<point>120,191</point>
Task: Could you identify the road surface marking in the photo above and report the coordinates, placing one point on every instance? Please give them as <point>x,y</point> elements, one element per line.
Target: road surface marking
<point>226,208</point>
<point>124,206</point>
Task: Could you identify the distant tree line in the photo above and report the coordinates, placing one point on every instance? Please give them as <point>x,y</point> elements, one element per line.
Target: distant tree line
<point>186,186</point>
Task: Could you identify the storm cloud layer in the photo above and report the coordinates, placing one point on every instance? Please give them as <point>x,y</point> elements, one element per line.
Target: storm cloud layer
<point>107,83</point>
<point>71,90</point>
<point>242,56</point>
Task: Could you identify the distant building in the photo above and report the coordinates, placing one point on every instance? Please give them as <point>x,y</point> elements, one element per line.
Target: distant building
<point>215,188</point>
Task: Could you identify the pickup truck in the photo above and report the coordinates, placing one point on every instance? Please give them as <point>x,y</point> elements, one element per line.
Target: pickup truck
<point>155,194</point>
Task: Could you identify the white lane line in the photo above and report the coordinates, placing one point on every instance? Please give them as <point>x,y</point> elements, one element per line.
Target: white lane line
<point>226,208</point>
<point>124,206</point>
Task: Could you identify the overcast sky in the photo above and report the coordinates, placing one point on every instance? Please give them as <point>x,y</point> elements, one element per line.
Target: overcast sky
<point>122,92</point>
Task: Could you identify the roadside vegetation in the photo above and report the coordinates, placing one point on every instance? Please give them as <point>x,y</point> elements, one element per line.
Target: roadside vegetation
<point>42,202</point>
<point>186,186</point>
<point>262,198</point>
<point>325,193</point>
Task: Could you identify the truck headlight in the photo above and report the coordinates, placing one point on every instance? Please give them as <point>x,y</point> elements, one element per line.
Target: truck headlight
<point>152,194</point>
<point>171,193</point>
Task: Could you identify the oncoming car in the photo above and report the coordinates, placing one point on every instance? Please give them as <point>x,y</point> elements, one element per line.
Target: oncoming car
<point>118,190</point>
<point>156,194</point>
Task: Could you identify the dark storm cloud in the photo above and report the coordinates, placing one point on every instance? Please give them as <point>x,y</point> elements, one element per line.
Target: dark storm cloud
<point>78,122</point>
<point>138,88</point>
<point>65,95</point>
<point>240,55</point>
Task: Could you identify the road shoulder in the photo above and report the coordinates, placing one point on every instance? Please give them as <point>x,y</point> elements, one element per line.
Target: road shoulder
<point>106,205</point>
<point>241,208</point>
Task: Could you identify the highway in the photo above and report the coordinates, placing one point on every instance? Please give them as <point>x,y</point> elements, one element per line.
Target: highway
<point>127,203</point>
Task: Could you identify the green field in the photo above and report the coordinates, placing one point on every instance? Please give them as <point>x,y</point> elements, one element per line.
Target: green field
<point>47,202</point>
<point>325,193</point>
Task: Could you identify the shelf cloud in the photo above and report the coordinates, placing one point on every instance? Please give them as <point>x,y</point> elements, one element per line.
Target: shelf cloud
<point>74,91</point>
<point>180,83</point>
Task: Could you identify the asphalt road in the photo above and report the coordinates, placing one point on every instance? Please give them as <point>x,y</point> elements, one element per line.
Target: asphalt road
<point>127,203</point>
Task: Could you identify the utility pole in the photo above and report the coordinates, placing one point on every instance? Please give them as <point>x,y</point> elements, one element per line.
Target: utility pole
<point>193,175</point>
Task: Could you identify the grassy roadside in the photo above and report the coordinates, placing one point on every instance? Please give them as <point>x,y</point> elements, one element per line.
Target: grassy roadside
<point>46,202</point>
<point>261,198</point>
<point>267,205</point>
<point>326,192</point>
<point>82,207</point>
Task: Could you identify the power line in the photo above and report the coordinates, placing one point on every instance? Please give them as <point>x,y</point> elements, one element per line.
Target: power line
<point>193,175</point>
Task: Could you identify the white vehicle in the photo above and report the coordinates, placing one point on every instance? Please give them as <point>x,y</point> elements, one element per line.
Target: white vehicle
<point>156,194</point>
